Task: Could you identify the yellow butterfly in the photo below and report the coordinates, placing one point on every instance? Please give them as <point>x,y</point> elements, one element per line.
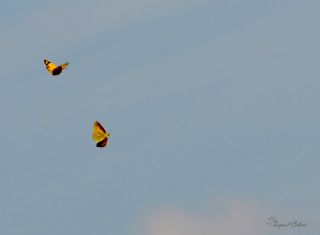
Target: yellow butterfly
<point>54,69</point>
<point>99,135</point>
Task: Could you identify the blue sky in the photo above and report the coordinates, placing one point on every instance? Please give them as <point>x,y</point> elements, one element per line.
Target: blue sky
<point>212,108</point>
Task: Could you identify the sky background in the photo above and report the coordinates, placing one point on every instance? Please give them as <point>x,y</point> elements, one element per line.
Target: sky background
<point>212,105</point>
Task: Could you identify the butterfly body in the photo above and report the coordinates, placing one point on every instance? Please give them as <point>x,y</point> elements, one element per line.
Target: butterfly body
<point>99,135</point>
<point>54,69</point>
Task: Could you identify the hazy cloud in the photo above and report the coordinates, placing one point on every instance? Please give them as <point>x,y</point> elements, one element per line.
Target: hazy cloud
<point>234,218</point>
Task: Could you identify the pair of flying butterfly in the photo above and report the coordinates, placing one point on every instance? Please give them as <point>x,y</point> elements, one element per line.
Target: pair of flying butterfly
<point>99,135</point>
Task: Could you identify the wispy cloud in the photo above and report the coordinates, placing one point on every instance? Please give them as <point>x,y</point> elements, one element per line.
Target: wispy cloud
<point>234,218</point>
<point>52,29</point>
<point>64,20</point>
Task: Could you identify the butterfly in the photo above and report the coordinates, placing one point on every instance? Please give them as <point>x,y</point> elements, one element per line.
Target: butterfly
<point>54,69</point>
<point>99,135</point>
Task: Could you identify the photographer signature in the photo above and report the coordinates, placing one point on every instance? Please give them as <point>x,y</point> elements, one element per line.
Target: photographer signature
<point>274,222</point>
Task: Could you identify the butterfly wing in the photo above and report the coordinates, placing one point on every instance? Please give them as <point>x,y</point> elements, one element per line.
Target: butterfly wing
<point>102,143</point>
<point>63,66</point>
<point>99,135</point>
<point>97,127</point>
<point>49,65</point>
